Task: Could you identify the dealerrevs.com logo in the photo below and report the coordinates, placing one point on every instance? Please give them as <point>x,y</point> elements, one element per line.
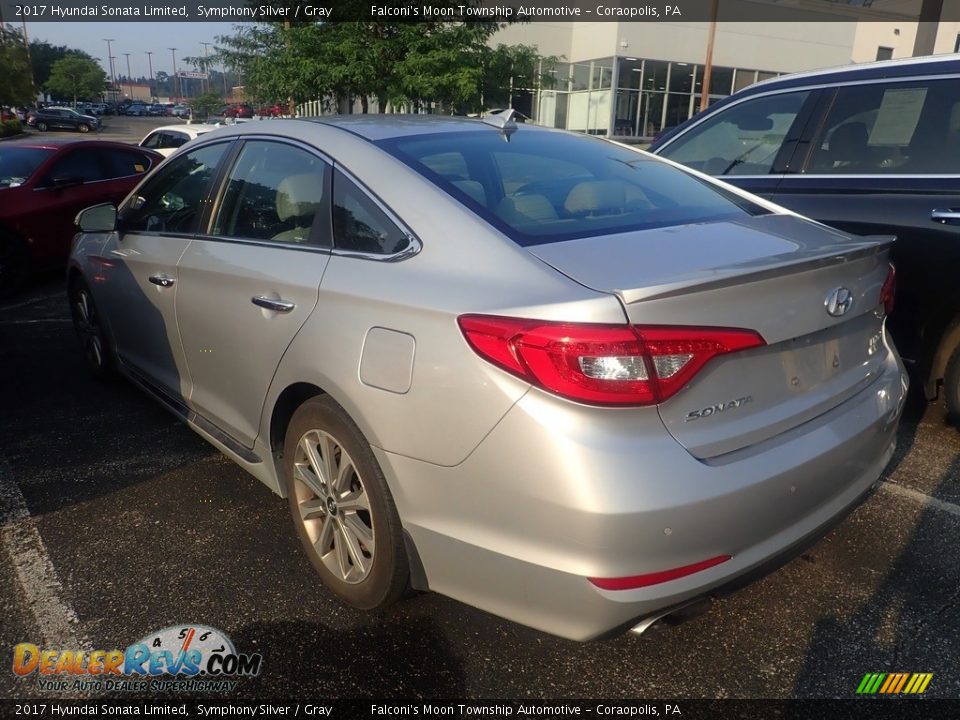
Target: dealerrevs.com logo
<point>193,658</point>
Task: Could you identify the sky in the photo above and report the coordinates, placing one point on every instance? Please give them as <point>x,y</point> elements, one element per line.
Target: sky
<point>135,38</point>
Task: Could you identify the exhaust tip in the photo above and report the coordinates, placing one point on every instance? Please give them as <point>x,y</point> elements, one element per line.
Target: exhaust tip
<point>671,617</point>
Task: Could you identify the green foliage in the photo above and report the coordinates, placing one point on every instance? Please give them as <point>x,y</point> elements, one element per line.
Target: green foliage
<point>43,55</point>
<point>16,86</point>
<point>77,77</point>
<point>447,63</point>
<point>206,104</point>
<point>10,127</point>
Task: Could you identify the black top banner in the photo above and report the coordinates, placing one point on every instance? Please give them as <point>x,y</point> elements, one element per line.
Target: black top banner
<point>385,11</point>
<point>861,709</point>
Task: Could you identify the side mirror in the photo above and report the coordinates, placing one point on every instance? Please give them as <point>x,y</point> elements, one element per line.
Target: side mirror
<point>99,218</point>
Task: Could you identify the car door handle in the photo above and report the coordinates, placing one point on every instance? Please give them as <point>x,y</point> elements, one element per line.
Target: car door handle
<point>945,216</point>
<point>280,306</point>
<point>162,280</point>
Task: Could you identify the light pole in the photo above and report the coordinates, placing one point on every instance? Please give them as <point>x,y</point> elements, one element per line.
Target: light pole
<point>177,88</point>
<point>150,63</point>
<point>113,77</point>
<point>129,78</point>
<point>205,66</point>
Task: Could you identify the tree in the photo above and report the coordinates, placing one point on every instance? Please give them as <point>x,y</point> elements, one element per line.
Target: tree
<point>206,103</point>
<point>78,77</point>
<point>447,63</point>
<point>16,84</point>
<point>43,55</point>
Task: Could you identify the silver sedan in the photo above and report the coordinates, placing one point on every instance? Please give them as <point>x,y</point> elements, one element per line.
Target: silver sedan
<point>544,374</point>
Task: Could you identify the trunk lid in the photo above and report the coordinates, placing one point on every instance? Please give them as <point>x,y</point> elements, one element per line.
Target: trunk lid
<point>773,274</point>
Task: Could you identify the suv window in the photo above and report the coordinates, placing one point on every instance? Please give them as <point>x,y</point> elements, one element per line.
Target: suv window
<point>275,192</point>
<point>742,140</point>
<point>359,224</point>
<point>171,200</point>
<point>890,128</point>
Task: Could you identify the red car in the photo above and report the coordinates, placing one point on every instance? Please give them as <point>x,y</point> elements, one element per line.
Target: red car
<point>240,110</point>
<point>44,184</point>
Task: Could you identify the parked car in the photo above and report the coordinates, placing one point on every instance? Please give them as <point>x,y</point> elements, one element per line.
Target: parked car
<point>181,111</point>
<point>555,378</point>
<point>167,138</point>
<point>57,118</point>
<point>44,184</point>
<point>136,109</point>
<point>238,110</point>
<point>156,110</point>
<point>871,148</point>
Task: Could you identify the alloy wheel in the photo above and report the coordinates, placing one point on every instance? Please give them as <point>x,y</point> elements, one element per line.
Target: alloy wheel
<point>88,327</point>
<point>333,506</point>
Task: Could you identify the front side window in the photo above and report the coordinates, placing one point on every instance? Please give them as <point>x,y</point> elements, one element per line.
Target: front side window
<point>172,200</point>
<point>545,187</point>
<point>275,192</point>
<point>19,163</point>
<point>740,140</point>
<point>890,128</point>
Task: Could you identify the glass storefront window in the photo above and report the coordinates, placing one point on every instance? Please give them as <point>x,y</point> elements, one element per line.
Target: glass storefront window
<point>744,78</point>
<point>721,81</point>
<point>581,77</point>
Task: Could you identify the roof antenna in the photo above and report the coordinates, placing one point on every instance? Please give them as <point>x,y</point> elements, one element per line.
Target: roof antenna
<point>503,121</point>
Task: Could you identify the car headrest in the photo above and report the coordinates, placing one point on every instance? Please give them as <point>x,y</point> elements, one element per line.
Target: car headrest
<point>595,196</point>
<point>299,196</point>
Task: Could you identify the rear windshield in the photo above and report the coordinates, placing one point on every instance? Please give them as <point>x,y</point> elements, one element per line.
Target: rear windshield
<point>19,163</point>
<point>541,187</point>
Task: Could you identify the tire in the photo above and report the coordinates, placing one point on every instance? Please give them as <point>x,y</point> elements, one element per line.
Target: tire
<point>97,350</point>
<point>14,265</point>
<point>83,127</point>
<point>951,387</point>
<point>42,126</point>
<point>352,534</point>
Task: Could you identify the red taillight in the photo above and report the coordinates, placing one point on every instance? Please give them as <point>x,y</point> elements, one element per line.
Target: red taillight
<point>655,578</point>
<point>602,364</point>
<point>889,290</point>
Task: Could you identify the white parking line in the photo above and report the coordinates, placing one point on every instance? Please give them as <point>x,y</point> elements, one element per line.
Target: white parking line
<point>919,497</point>
<point>42,590</point>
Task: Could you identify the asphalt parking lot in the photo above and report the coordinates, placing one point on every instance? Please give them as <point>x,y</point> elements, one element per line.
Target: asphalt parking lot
<point>116,521</point>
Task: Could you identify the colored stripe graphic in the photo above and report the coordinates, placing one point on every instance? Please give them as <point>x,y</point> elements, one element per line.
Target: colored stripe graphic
<point>894,683</point>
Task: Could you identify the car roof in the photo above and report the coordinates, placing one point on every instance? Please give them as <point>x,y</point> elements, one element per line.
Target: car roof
<point>191,129</point>
<point>383,127</point>
<point>58,143</point>
<point>884,69</point>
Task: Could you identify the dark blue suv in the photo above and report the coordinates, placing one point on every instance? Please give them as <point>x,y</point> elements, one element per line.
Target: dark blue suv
<point>870,149</point>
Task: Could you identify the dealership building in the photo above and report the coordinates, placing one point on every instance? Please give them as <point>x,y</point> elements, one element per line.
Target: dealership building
<point>637,78</point>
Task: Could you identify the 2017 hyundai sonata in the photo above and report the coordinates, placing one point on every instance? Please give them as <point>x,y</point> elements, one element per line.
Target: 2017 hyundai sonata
<point>555,378</point>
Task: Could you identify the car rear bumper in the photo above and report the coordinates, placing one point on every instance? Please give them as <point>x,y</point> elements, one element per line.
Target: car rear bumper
<point>558,493</point>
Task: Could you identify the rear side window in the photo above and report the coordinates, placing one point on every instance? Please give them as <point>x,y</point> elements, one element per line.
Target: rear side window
<point>359,225</point>
<point>124,163</point>
<point>890,128</point>
<point>80,163</point>
<point>276,192</point>
<point>740,140</point>
<point>542,187</point>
